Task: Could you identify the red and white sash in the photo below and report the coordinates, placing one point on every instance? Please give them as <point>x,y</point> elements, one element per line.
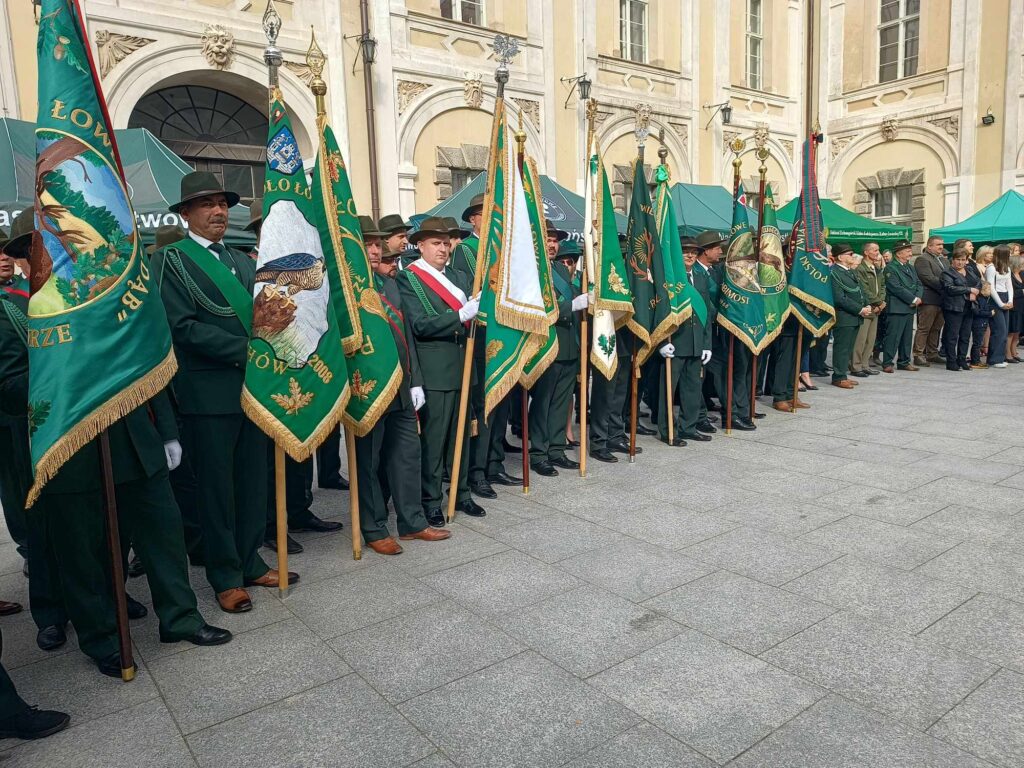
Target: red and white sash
<point>448,291</point>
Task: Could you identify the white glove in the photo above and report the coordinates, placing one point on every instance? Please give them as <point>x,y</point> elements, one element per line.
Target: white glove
<point>172,450</point>
<point>419,397</point>
<point>668,351</point>
<point>580,302</point>
<point>705,357</point>
<point>469,310</point>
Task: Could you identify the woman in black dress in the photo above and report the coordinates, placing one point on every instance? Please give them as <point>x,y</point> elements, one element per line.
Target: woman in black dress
<point>1016,318</point>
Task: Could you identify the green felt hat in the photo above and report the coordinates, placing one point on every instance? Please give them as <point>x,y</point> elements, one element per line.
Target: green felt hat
<point>202,184</point>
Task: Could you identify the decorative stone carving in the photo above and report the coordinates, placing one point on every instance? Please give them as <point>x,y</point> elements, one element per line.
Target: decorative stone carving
<point>531,109</point>
<point>760,135</point>
<point>682,130</point>
<point>407,91</point>
<point>949,123</point>
<point>890,128</point>
<point>473,91</point>
<point>112,47</point>
<point>642,123</point>
<point>788,144</point>
<point>218,46</point>
<point>894,177</point>
<point>301,71</point>
<point>728,137</point>
<point>837,144</point>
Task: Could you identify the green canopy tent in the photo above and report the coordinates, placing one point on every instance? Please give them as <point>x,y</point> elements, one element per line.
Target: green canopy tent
<point>152,171</point>
<point>845,226</point>
<point>999,221</point>
<point>564,208</point>
<point>707,206</point>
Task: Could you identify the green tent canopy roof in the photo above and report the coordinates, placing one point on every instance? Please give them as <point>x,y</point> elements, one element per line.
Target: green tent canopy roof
<point>700,207</point>
<point>152,171</point>
<point>845,226</point>
<point>1000,221</point>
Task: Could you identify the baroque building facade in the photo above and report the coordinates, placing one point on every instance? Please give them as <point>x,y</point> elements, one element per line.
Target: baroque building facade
<point>920,102</point>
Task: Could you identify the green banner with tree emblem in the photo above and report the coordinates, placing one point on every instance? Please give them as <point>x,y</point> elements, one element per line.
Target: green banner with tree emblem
<point>771,270</point>
<point>98,341</point>
<point>535,205</point>
<point>296,379</point>
<point>642,243</point>
<point>683,296</point>
<point>374,364</point>
<point>810,276</point>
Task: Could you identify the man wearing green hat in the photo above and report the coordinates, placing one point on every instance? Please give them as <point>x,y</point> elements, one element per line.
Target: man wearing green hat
<point>199,278</point>
<point>439,309</point>
<point>851,307</point>
<point>905,292</point>
<point>551,396</point>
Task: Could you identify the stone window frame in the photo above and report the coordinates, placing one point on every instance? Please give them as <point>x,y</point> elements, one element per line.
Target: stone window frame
<point>622,185</point>
<point>465,157</point>
<point>888,178</point>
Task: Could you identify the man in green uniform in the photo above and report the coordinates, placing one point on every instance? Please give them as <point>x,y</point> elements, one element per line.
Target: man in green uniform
<point>851,307</point>
<point>905,291</point>
<point>439,309</point>
<point>395,232</point>
<point>709,254</point>
<point>551,396</point>
<point>872,282</point>
<point>20,721</point>
<point>393,445</point>
<point>457,233</point>
<point>228,451</point>
<point>689,350</point>
<point>486,450</point>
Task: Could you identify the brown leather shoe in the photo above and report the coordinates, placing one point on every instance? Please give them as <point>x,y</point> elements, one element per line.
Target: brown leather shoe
<point>234,601</point>
<point>888,369</point>
<point>802,404</point>
<point>428,534</point>
<point>786,406</point>
<point>386,546</point>
<point>7,609</point>
<point>843,384</point>
<point>269,579</point>
<point>909,367</point>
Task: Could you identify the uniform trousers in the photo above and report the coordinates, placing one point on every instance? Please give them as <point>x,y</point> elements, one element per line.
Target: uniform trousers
<point>607,399</point>
<point>15,478</point>
<point>843,339</point>
<point>328,458</point>
<point>784,372</point>
<point>549,411</point>
<point>865,343</point>
<point>897,348</point>
<point>11,703</point>
<point>686,377</point>
<point>438,425</point>
<point>740,375</point>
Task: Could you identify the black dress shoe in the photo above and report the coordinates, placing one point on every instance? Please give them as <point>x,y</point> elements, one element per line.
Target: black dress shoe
<point>336,483</point>
<point>758,415</point>
<point>51,638</point>
<point>504,478</point>
<point>34,723</point>
<point>136,610</point>
<point>645,431</point>
<point>696,436</point>
<point>435,518</point>
<point>872,372</point>
<point>471,508</point>
<point>545,469</point>
<point>678,442</point>
<point>205,635</point>
<point>292,545</point>
<point>511,448</point>
<point>110,665</point>
<point>743,425</point>
<point>623,447</point>
<point>483,488</point>
<point>604,455</point>
<point>860,374</point>
<point>706,427</point>
<point>565,463</point>
<point>135,567</point>
<point>313,523</point>
<point>573,443</point>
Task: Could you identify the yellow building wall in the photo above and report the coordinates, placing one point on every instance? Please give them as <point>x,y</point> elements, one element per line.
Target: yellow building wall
<point>569,158</point>
<point>359,149</point>
<point>988,156</point>
<point>706,88</point>
<point>458,126</point>
<point>508,16</point>
<point>750,169</point>
<point>663,38</point>
<point>23,32</point>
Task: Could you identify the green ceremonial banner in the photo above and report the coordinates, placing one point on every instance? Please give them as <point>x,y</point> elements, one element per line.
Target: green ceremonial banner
<point>642,244</point>
<point>606,269</point>
<point>810,276</point>
<point>684,298</point>
<point>373,360</point>
<point>535,204</point>
<point>296,379</point>
<point>517,311</point>
<point>771,269</point>
<point>91,308</point>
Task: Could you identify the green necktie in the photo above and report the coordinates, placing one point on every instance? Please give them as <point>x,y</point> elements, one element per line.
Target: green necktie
<point>223,255</point>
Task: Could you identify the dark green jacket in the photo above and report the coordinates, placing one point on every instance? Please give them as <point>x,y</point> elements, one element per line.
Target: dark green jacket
<point>902,286</point>
<point>714,287</point>
<point>404,340</point>
<point>211,348</point>
<point>440,337</point>
<point>13,367</point>
<point>847,296</point>
<point>567,327</point>
<point>693,337</point>
<point>872,282</point>
<point>463,259</point>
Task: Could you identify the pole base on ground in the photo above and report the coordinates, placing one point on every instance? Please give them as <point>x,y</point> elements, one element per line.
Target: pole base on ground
<point>127,675</point>
<point>282,593</point>
<point>632,459</point>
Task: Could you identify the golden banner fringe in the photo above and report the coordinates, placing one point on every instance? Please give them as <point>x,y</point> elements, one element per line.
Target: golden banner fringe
<point>497,391</point>
<point>298,450</point>
<point>365,425</point>
<point>531,378</point>
<point>741,336</point>
<point>814,302</point>
<point>115,408</point>
<point>597,362</point>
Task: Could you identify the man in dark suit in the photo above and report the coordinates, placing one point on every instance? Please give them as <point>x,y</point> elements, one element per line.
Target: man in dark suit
<point>904,290</point>
<point>211,343</point>
<point>689,349</point>
<point>438,307</point>
<point>929,266</point>
<point>851,308</point>
<point>709,255</point>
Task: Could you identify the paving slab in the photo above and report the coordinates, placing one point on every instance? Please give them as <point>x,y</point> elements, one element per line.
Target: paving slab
<point>779,515</point>
<point>953,465</point>
<point>877,503</point>
<point>422,650</point>
<point>645,746</point>
<point>708,695</point>
<point>987,627</point>
<point>743,613</point>
<point>1004,530</point>
<point>907,601</point>
<point>969,493</point>
<point>888,544</point>
<point>989,722</point>
<point>546,715</point>
<point>588,629</point>
<point>949,445</point>
<point>894,673</point>
<point>556,537</point>
<point>668,526</point>
<point>985,569</point>
<point>762,556</point>
<point>836,733</point>
<point>420,558</point>
<point>343,724</point>
<point>875,474</point>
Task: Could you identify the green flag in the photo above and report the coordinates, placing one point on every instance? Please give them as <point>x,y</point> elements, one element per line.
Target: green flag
<point>684,299</point>
<point>771,270</point>
<point>535,205</point>
<point>296,379</point>
<point>642,244</point>
<point>98,342</point>
<point>606,269</point>
<point>373,360</point>
<point>512,299</point>
<point>810,276</point>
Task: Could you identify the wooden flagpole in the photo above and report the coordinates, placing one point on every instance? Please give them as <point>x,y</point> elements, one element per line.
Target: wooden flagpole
<point>585,285</point>
<point>525,405</point>
<point>762,155</point>
<point>736,147</point>
<point>668,401</point>
<point>281,517</point>
<point>353,491</point>
<point>124,637</point>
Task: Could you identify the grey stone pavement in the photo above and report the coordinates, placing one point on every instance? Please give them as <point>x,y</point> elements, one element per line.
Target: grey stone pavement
<point>843,587</point>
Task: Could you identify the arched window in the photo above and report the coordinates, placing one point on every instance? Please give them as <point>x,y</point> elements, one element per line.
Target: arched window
<point>211,130</point>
